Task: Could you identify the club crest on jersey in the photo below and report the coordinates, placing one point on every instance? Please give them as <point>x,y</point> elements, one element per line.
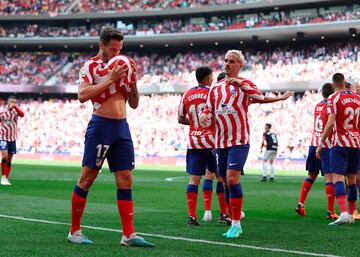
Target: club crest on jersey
<point>99,162</point>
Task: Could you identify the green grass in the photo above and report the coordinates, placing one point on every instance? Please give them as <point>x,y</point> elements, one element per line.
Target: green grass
<point>42,190</point>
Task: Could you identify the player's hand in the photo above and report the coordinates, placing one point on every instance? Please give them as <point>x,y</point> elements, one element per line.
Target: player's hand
<point>118,72</point>
<point>205,118</point>
<point>12,105</point>
<point>233,81</point>
<point>286,95</point>
<point>318,151</point>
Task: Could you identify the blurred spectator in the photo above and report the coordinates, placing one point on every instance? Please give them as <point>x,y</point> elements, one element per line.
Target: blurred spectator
<point>152,27</point>
<point>315,62</point>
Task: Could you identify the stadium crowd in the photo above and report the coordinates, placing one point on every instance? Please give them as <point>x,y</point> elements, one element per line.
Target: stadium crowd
<point>55,7</point>
<point>155,130</point>
<point>281,64</point>
<point>152,27</point>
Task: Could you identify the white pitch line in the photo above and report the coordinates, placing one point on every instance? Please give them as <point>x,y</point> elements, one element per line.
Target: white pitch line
<point>175,237</point>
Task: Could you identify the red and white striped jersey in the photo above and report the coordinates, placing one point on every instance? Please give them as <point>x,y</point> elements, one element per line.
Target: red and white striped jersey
<point>229,104</point>
<point>95,71</point>
<point>8,125</point>
<point>191,105</point>
<point>320,120</point>
<point>346,106</point>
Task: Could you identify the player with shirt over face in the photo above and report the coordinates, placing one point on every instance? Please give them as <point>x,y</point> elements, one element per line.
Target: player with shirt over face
<point>344,118</point>
<point>109,81</point>
<point>227,104</point>
<point>313,164</point>
<point>200,160</point>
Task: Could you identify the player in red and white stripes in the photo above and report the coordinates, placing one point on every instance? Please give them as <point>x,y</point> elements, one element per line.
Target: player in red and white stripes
<point>344,118</point>
<point>227,106</point>
<point>314,165</point>
<point>8,134</point>
<point>200,160</point>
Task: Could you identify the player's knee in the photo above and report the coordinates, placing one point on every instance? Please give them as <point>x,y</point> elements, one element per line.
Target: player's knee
<point>209,175</point>
<point>233,180</point>
<point>195,180</point>
<point>313,176</point>
<point>86,182</point>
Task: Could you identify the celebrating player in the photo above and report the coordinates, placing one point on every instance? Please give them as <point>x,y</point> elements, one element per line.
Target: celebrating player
<point>227,106</point>
<point>344,116</point>
<point>199,158</point>
<point>8,134</point>
<point>313,164</point>
<point>109,81</point>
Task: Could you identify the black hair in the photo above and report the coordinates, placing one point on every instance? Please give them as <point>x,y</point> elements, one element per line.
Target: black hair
<point>108,33</point>
<point>268,124</point>
<point>338,78</point>
<point>202,72</point>
<point>221,76</point>
<point>327,90</point>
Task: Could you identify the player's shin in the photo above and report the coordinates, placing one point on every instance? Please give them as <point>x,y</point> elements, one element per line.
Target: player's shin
<point>191,196</point>
<point>207,193</point>
<point>126,210</point>
<point>351,197</point>
<point>236,199</point>
<point>3,167</point>
<point>305,188</point>
<point>78,202</point>
<point>330,196</point>
<point>220,192</point>
<point>8,169</point>
<point>340,195</point>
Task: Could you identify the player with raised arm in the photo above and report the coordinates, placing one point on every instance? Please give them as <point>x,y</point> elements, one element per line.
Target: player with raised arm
<point>8,135</point>
<point>109,81</point>
<point>313,164</point>
<point>199,157</point>
<point>227,106</point>
<point>344,118</point>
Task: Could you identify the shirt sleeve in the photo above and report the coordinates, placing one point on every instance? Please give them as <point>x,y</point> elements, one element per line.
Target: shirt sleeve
<point>85,74</point>
<point>251,90</point>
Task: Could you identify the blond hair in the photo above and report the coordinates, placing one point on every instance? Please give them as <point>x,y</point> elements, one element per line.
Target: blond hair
<point>238,55</point>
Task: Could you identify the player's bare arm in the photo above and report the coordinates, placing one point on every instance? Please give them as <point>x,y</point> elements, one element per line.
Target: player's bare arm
<point>86,90</point>
<point>328,128</point>
<point>134,97</point>
<point>271,99</point>
<point>183,120</point>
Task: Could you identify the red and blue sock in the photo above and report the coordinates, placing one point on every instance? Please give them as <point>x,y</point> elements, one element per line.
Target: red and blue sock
<point>191,196</point>
<point>305,188</point>
<point>78,202</point>
<point>8,169</point>
<point>352,197</point>
<point>126,210</point>
<point>330,196</point>
<point>207,193</point>
<point>340,195</point>
<point>236,199</point>
<point>220,192</point>
<point>3,167</point>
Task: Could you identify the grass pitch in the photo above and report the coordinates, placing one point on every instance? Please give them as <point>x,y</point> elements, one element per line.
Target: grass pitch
<point>42,191</point>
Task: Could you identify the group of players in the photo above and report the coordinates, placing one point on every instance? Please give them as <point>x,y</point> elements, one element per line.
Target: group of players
<point>334,150</point>
<point>218,138</point>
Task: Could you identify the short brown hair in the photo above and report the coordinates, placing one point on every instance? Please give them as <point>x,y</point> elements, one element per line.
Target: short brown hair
<point>108,33</point>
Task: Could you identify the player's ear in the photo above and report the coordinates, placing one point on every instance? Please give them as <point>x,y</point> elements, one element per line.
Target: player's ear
<point>101,45</point>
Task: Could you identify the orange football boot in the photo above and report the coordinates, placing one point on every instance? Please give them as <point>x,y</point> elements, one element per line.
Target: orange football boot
<point>300,209</point>
<point>332,215</point>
